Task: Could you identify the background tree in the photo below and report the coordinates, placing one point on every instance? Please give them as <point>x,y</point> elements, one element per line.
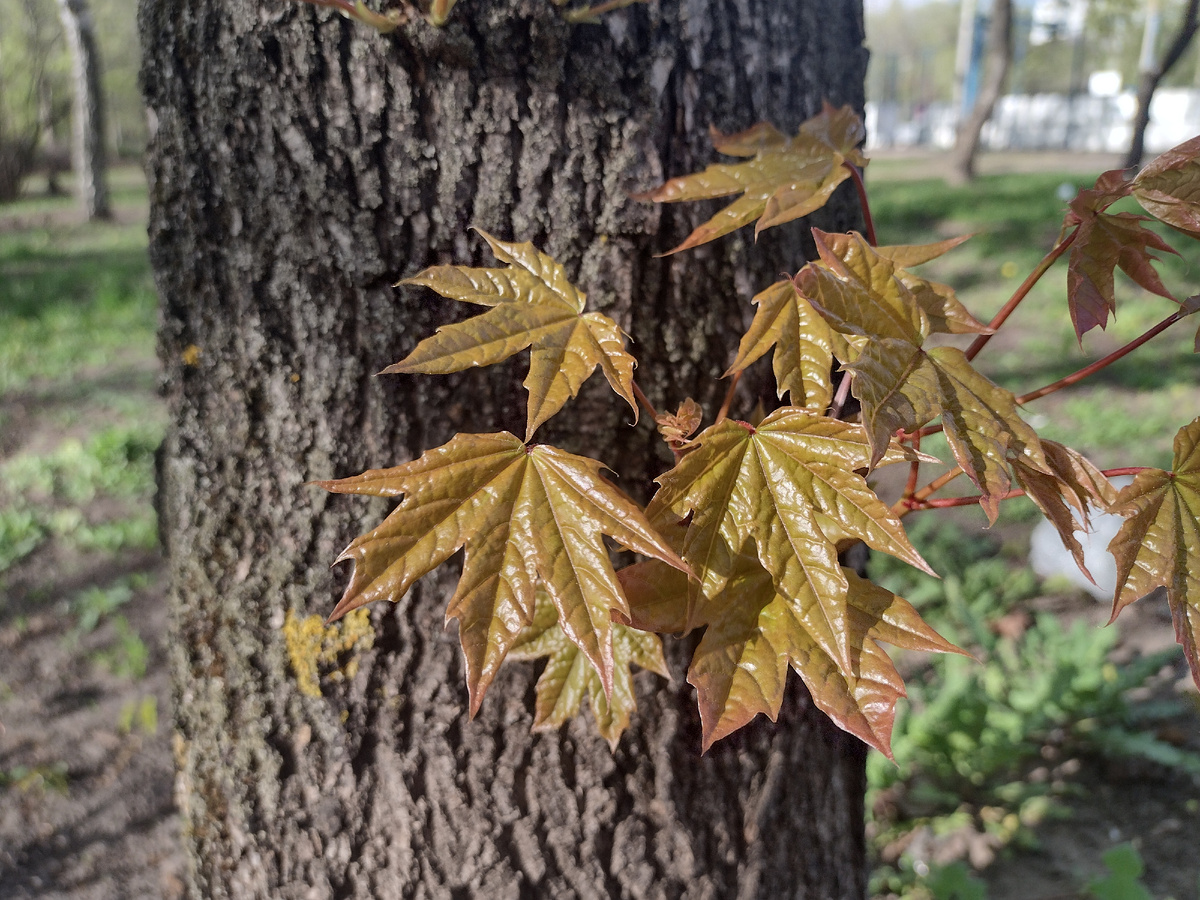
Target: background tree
<point>1153,70</point>
<point>301,165</point>
<point>997,59</point>
<point>29,78</point>
<point>88,151</point>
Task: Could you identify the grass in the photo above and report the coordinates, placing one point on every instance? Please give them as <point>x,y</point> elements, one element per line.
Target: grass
<point>79,422</point>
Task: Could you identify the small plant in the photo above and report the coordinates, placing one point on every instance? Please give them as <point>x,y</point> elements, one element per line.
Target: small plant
<point>744,534</point>
<point>127,656</point>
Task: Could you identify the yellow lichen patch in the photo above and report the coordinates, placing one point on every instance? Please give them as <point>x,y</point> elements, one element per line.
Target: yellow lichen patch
<point>315,649</point>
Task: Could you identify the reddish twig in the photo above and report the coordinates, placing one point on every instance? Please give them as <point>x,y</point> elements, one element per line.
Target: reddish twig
<point>947,502</point>
<point>1021,293</point>
<point>914,471</point>
<point>868,222</point>
<point>1099,364</point>
<point>645,401</point>
<point>723,412</point>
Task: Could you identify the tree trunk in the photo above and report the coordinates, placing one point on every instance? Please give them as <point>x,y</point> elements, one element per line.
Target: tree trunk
<point>300,165</point>
<point>89,155</point>
<point>1152,75</point>
<point>997,58</point>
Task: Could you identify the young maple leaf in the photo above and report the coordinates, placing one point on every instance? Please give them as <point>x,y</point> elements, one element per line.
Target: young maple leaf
<point>863,293</point>
<point>868,291</point>
<point>790,487</point>
<point>526,515</point>
<point>803,342</point>
<point>786,179</point>
<point>753,632</point>
<point>533,304</point>
<point>902,387</point>
<point>1159,543</point>
<point>1169,187</point>
<point>1105,241</point>
<point>568,675</point>
<point>677,427</point>
<point>1065,493</point>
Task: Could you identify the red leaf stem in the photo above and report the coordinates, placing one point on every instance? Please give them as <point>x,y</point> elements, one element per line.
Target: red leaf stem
<point>1020,294</point>
<point>1099,364</point>
<point>869,223</point>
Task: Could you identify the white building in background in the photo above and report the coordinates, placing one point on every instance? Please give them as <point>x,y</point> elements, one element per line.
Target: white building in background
<point>1097,121</point>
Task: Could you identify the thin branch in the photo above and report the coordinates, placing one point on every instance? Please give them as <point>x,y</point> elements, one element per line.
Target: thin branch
<point>869,223</point>
<point>839,399</point>
<point>723,412</point>
<point>1099,364</point>
<point>1026,286</point>
<point>948,502</point>
<point>905,505</point>
<point>644,400</point>
<point>914,471</point>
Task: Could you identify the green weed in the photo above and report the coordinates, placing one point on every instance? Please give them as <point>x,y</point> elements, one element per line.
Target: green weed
<point>139,715</point>
<point>128,655</point>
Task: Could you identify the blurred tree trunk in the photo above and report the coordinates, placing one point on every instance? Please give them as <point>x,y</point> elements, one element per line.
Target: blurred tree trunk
<point>1152,75</point>
<point>302,164</point>
<point>89,154</point>
<point>996,62</point>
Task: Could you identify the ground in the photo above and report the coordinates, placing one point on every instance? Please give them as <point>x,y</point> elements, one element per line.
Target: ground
<point>85,706</point>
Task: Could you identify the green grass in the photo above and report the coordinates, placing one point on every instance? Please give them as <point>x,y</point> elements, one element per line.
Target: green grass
<point>79,419</point>
<point>74,297</point>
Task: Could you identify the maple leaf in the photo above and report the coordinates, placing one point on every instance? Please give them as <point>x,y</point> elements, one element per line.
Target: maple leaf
<point>887,313</point>
<point>868,291</point>
<point>1169,187</point>
<point>803,342</point>
<point>902,387</point>
<point>677,427</point>
<point>568,675</point>
<point>1158,543</point>
<point>790,488</point>
<point>1065,492</point>
<point>1103,242</point>
<point>525,514</point>
<point>753,632</point>
<point>533,304</point>
<point>787,177</point>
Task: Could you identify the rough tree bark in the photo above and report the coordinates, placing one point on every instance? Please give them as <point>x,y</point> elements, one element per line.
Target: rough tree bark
<point>1153,75</point>
<point>88,152</point>
<point>997,59</point>
<point>302,164</point>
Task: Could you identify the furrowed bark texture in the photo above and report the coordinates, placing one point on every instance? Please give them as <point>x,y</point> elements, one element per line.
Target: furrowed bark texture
<point>301,165</point>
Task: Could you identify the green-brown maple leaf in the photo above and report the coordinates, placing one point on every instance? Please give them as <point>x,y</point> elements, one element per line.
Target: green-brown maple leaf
<point>568,674</point>
<point>1159,544</point>
<point>1064,492</point>
<point>533,304</point>
<point>902,387</point>
<point>754,632</point>
<point>1103,242</point>
<point>803,343</point>
<point>789,487</point>
<point>526,515</point>
<point>1169,187</point>
<point>787,177</point>
<point>863,293</point>
<point>869,291</point>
